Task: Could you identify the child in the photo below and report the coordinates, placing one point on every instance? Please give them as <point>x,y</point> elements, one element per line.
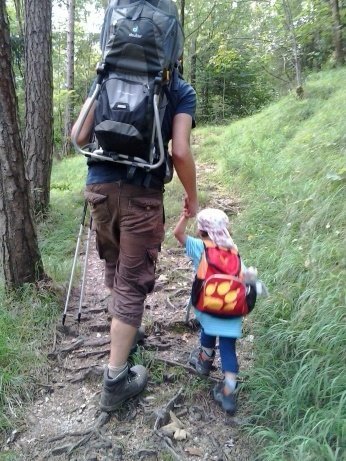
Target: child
<point>212,226</point>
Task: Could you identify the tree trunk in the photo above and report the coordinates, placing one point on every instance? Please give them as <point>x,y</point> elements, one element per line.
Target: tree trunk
<point>223,96</point>
<point>38,140</point>
<point>182,13</point>
<point>20,256</point>
<point>69,78</point>
<point>193,64</point>
<point>182,21</point>
<point>205,103</point>
<point>337,33</point>
<point>295,48</point>
<point>18,5</point>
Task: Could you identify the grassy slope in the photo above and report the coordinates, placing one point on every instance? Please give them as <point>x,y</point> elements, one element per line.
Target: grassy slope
<point>285,164</point>
<point>288,165</point>
<point>27,317</point>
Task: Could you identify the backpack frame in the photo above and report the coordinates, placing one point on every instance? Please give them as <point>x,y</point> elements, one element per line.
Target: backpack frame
<point>158,66</point>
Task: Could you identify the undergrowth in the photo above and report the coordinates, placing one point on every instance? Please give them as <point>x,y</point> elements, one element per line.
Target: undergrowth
<point>288,165</point>
<point>26,322</point>
<point>27,316</point>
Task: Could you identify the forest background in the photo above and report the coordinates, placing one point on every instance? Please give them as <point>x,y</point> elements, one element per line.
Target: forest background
<point>240,56</point>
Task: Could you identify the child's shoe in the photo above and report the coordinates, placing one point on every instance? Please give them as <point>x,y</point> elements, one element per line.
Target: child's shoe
<point>227,402</point>
<point>201,362</point>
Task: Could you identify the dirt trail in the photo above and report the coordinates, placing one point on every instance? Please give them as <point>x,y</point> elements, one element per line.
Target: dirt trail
<point>65,422</point>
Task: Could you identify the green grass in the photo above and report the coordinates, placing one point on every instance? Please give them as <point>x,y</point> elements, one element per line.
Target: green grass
<point>26,322</point>
<point>27,317</point>
<point>287,164</point>
<point>58,234</point>
<point>287,167</point>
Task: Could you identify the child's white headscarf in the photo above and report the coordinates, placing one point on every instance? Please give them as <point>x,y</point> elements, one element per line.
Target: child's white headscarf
<point>215,223</point>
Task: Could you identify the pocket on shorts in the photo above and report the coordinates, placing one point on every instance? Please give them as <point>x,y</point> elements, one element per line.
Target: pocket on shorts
<point>98,206</point>
<point>144,217</point>
<point>145,204</point>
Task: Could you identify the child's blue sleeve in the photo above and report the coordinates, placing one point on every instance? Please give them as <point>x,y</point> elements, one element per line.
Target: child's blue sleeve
<point>194,248</point>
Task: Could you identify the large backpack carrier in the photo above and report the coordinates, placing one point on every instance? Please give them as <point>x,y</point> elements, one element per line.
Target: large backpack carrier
<point>141,43</point>
<point>218,288</point>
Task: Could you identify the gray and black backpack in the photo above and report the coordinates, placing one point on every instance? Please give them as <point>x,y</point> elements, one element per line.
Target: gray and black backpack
<point>141,43</point>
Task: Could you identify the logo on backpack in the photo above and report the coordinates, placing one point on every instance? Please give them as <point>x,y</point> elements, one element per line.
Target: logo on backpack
<point>134,34</point>
<point>218,288</point>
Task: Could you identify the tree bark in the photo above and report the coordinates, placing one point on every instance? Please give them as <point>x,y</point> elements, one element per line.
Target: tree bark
<point>337,33</point>
<point>182,21</point>
<point>193,64</point>
<point>38,139</point>
<point>18,4</point>
<point>295,48</point>
<point>20,256</point>
<point>69,78</point>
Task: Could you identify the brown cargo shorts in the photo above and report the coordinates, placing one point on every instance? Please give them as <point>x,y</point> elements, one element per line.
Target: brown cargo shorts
<point>128,221</point>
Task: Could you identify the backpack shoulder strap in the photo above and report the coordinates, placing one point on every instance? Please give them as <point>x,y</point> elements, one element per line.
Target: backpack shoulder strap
<point>203,263</point>
<point>172,85</point>
<point>106,24</point>
<point>209,244</point>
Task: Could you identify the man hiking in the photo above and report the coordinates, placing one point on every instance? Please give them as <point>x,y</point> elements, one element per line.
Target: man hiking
<point>127,212</point>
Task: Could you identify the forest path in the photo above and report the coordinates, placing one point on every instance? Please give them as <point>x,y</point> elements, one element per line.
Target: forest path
<point>65,422</point>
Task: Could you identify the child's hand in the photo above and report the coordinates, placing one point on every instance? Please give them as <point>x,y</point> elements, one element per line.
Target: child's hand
<point>261,289</point>
<point>185,214</point>
<point>250,274</point>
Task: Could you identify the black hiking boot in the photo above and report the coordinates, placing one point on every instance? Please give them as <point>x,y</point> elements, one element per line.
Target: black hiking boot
<point>202,365</point>
<point>128,384</point>
<point>227,402</point>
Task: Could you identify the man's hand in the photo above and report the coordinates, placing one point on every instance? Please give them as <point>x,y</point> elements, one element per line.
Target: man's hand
<point>190,207</point>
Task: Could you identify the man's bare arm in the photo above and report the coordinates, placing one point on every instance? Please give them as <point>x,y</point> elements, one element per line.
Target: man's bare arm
<point>85,133</point>
<point>183,161</point>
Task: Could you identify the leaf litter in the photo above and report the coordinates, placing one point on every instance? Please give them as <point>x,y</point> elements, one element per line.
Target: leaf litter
<point>175,418</point>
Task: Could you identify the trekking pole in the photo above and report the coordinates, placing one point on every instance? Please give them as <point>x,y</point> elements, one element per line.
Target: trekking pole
<point>74,261</point>
<point>84,272</point>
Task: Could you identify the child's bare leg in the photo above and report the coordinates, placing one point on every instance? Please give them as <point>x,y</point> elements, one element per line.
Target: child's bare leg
<point>230,382</point>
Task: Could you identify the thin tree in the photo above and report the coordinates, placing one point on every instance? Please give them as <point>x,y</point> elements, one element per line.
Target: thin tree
<point>193,61</point>
<point>337,33</point>
<point>20,257</point>
<point>69,76</point>
<point>295,48</point>
<point>38,138</point>
<point>18,5</point>
<point>182,21</point>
